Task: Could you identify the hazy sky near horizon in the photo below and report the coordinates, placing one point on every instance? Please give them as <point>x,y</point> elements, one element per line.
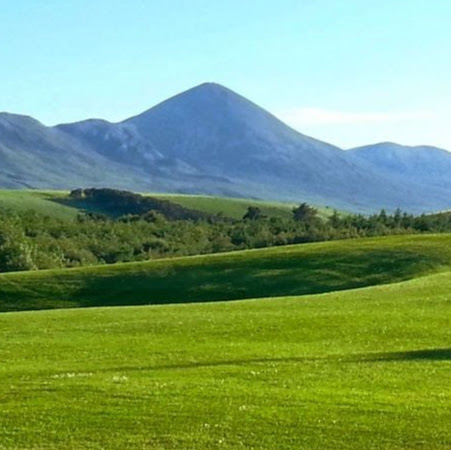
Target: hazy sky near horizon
<point>345,71</point>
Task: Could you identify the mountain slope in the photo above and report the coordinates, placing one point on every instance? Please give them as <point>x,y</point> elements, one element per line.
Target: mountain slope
<point>423,164</point>
<point>212,130</point>
<point>215,129</point>
<point>209,140</point>
<point>209,131</point>
<point>33,155</point>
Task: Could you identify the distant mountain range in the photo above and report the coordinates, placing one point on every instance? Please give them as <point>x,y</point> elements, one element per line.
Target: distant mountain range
<point>210,140</point>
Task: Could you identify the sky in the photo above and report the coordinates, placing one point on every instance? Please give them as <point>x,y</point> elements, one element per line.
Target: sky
<point>349,72</point>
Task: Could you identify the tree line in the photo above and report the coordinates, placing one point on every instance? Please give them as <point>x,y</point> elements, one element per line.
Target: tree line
<point>30,240</point>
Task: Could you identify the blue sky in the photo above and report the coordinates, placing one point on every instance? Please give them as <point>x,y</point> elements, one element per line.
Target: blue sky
<point>349,72</point>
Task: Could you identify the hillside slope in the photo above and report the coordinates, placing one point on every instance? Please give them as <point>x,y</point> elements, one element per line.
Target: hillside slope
<point>58,204</point>
<point>427,166</point>
<point>33,155</point>
<point>290,270</point>
<point>211,139</point>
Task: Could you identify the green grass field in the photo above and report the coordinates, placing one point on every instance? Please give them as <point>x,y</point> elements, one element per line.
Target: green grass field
<point>45,202</point>
<point>273,272</point>
<point>56,203</point>
<point>324,363</point>
<point>235,207</point>
<point>365,368</point>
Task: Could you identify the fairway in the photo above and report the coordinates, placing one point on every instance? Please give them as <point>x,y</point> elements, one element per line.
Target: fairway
<point>359,369</point>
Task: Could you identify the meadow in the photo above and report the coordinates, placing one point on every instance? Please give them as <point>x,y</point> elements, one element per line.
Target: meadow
<point>235,208</point>
<point>45,202</point>
<point>56,204</point>
<point>364,368</point>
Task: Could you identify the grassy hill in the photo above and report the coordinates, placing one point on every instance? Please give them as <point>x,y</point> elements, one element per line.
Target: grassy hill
<point>57,204</point>
<point>366,368</point>
<point>45,202</point>
<point>290,270</point>
<point>236,207</point>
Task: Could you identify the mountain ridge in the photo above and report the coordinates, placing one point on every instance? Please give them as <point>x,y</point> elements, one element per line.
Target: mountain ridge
<point>211,140</point>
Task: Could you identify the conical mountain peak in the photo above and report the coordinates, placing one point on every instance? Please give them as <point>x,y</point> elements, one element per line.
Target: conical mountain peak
<point>211,98</point>
<point>211,87</point>
<point>209,139</point>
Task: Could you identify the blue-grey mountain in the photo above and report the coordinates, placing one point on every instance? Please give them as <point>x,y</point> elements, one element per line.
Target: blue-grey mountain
<point>211,140</point>
<point>429,166</point>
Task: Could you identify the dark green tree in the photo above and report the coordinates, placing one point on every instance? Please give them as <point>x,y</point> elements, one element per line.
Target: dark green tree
<point>253,213</point>
<point>305,213</point>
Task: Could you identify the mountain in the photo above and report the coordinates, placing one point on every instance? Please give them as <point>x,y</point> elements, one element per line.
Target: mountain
<point>429,166</point>
<point>35,156</point>
<point>210,140</point>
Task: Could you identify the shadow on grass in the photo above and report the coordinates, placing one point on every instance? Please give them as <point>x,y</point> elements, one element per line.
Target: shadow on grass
<point>208,364</point>
<point>236,276</point>
<point>439,354</point>
<point>253,277</point>
<point>433,354</point>
<point>84,206</point>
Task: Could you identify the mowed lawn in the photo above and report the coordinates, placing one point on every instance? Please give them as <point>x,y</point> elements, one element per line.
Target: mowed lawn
<point>359,369</point>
